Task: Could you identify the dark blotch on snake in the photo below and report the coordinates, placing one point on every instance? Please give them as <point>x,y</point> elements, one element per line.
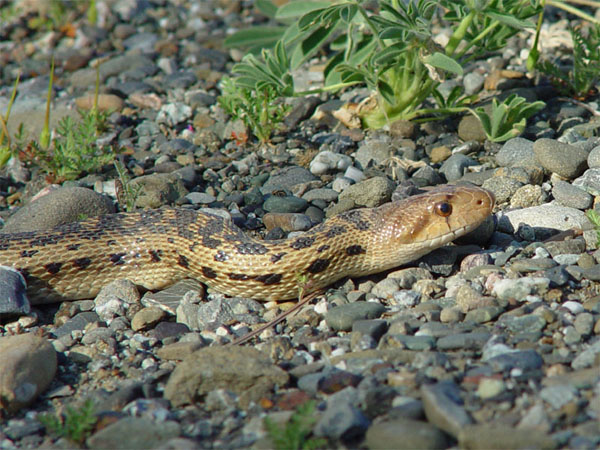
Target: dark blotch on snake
<point>318,265</point>
<point>183,261</point>
<point>277,257</point>
<point>302,242</point>
<point>208,272</point>
<point>28,253</point>
<point>355,250</point>
<point>53,268</point>
<point>155,255</point>
<point>322,248</point>
<point>335,230</point>
<point>270,278</point>
<point>238,276</point>
<point>251,248</point>
<point>82,263</point>
<point>210,242</point>
<point>73,247</point>
<point>117,259</point>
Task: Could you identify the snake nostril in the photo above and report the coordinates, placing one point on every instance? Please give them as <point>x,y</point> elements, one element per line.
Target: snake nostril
<point>443,209</point>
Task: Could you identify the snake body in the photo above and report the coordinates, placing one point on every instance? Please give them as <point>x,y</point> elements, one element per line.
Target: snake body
<point>155,248</point>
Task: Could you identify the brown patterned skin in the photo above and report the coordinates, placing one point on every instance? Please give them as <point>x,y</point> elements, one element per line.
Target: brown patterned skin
<point>158,247</point>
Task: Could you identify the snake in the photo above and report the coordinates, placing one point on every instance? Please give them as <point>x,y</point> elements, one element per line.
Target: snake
<point>157,247</point>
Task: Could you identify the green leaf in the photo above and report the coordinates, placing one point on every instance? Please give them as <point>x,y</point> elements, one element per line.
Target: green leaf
<point>296,9</point>
<point>263,36</point>
<point>267,8</point>
<point>441,61</point>
<point>510,20</point>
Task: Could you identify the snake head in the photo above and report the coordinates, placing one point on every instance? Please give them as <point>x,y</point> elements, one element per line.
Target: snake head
<point>438,216</point>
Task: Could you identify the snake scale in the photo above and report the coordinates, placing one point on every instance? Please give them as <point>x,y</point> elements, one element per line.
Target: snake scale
<point>155,248</point>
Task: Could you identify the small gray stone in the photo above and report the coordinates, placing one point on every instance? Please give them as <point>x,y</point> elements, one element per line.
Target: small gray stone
<point>327,161</point>
<point>584,323</point>
<point>289,204</point>
<point>443,407</point>
<point>13,293</point>
<point>371,150</point>
<point>516,152</point>
<point>503,187</point>
<point>589,181</point>
<point>548,216</point>
<point>134,433</point>
<point>587,358</point>
<point>77,322</point>
<point>559,395</point>
<point>456,166</point>
<point>405,434</point>
<point>28,367</point>
<point>370,193</point>
<point>342,317</point>
<point>520,288</point>
<point>327,195</point>
<point>463,341</point>
<point>567,194</point>
<point>158,189</point>
<point>594,158</point>
<point>565,160</point>
<point>341,419</point>
<point>473,82</point>
<point>287,178</point>
<point>528,323</point>
<point>525,360</point>
<point>498,437</point>
<point>374,328</point>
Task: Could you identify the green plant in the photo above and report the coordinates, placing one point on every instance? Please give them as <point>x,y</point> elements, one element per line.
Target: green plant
<point>74,150</point>
<point>508,118</point>
<point>259,108</point>
<point>295,434</point>
<point>388,48</point>
<point>594,218</point>
<point>76,424</point>
<point>5,149</point>
<point>585,70</point>
<point>127,192</point>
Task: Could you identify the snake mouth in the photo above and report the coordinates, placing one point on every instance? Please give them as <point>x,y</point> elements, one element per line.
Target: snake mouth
<point>451,235</point>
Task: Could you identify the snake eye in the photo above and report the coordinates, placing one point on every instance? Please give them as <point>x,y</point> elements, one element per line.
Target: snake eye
<point>443,209</point>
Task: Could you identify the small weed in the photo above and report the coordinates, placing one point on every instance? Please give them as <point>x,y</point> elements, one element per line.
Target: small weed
<point>295,434</point>
<point>75,425</point>
<point>258,109</point>
<point>127,193</point>
<point>594,217</point>
<point>74,149</point>
<point>508,118</point>
<point>579,80</point>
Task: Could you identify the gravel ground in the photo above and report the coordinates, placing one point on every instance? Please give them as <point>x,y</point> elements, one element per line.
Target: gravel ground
<point>492,343</point>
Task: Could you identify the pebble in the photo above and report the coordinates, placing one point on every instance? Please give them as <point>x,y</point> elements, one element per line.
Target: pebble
<point>405,434</point>
<point>570,195</point>
<point>370,193</point>
<point>443,407</point>
<point>28,367</point>
<point>243,370</point>
<point>564,160</point>
<point>342,317</point>
<point>516,152</point>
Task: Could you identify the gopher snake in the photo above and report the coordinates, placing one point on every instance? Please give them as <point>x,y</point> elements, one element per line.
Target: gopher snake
<point>155,248</point>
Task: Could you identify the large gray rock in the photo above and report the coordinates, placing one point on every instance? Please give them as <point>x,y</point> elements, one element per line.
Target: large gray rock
<point>243,370</point>
<point>60,206</point>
